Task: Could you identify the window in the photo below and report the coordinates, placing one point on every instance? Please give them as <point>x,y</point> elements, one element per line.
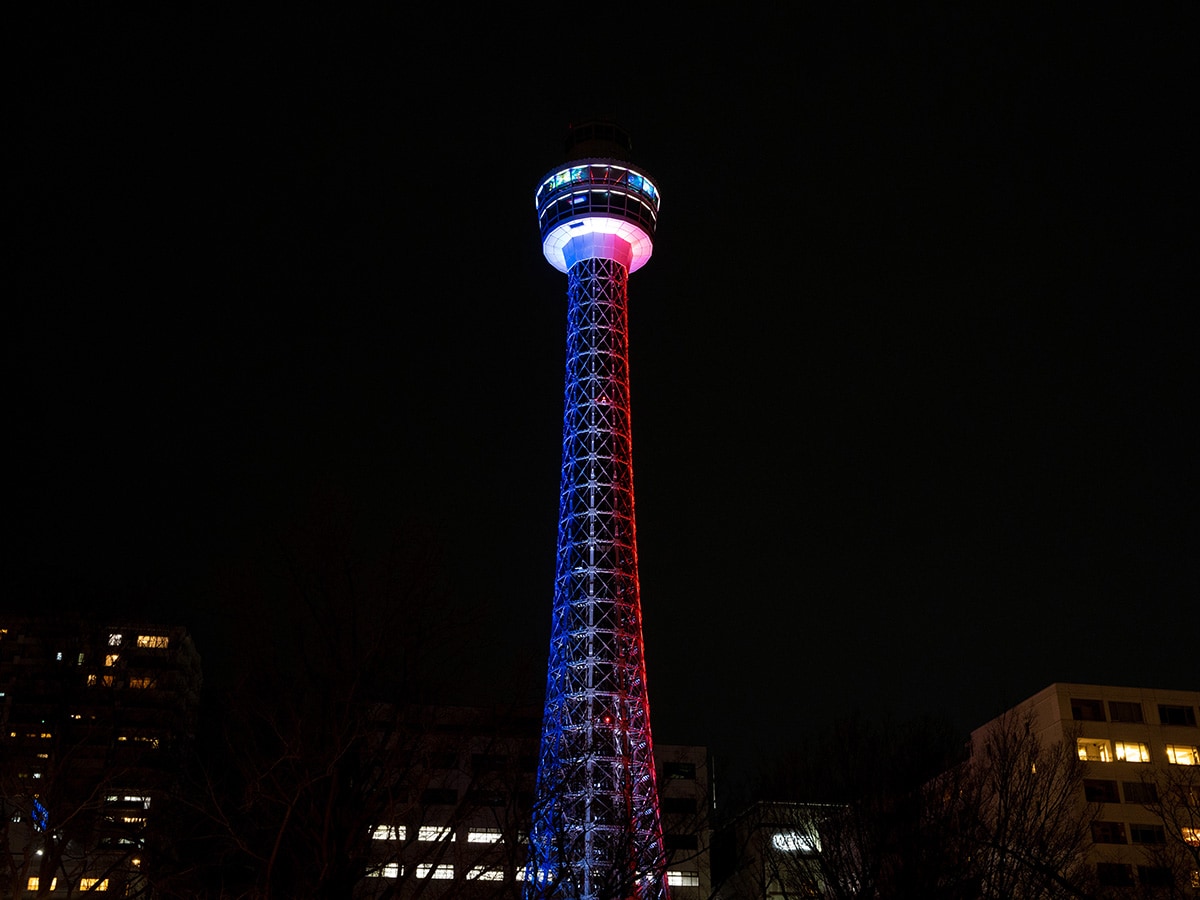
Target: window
<point>1087,710</point>
<point>114,640</point>
<point>35,883</point>
<point>681,842</point>
<point>488,762</point>
<point>1155,876</point>
<point>389,833</point>
<point>679,805</point>
<point>488,798</point>
<point>1132,751</point>
<point>1191,836</point>
<point>111,659</point>
<point>1176,715</point>
<point>682,770</point>
<point>1124,711</point>
<point>1114,874</point>
<point>1094,750</point>
<point>387,870</point>
<point>426,870</point>
<point>484,835</point>
<point>683,879</point>
<point>1096,790</point>
<point>484,873</point>
<point>1108,833</point>
<point>152,641</point>
<point>439,796</point>
<point>1183,755</point>
<point>93,884</point>
<point>1147,834</point>
<point>435,833</point>
<point>1140,791</point>
<point>142,681</point>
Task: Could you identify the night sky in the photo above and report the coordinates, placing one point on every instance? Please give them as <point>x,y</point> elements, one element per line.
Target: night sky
<point>913,364</point>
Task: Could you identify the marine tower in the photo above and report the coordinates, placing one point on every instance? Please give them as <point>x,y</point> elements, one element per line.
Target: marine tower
<point>596,832</point>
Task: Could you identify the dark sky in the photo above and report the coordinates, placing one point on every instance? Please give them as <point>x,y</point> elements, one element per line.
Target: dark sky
<point>912,366</point>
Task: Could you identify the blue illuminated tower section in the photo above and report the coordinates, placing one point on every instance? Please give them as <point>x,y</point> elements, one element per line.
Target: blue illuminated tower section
<point>596,831</point>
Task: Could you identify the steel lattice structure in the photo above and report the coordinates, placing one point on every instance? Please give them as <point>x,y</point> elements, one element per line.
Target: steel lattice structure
<point>596,833</point>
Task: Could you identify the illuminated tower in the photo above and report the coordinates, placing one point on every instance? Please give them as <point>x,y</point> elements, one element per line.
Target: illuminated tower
<point>596,830</point>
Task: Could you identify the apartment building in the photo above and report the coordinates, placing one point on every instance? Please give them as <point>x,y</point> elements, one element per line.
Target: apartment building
<point>94,720</point>
<point>1141,747</point>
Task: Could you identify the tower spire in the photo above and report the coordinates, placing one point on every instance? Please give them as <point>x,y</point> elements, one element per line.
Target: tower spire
<point>597,833</point>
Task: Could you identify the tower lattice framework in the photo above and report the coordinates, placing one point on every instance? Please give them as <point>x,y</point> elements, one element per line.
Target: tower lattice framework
<point>597,833</point>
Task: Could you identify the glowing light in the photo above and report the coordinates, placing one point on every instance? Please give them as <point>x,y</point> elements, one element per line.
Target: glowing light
<point>795,842</point>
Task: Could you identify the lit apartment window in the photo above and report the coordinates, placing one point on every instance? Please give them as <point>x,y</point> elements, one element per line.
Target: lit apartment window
<point>389,833</point>
<point>153,641</point>
<point>1191,836</point>
<point>142,681</point>
<point>138,739</point>
<point>35,883</point>
<point>484,873</point>
<point>1176,715</point>
<point>1183,755</point>
<point>427,870</point>
<point>484,836</point>
<point>111,659</point>
<point>93,884</point>
<point>128,798</point>
<point>387,870</point>
<point>114,640</point>
<point>1131,751</point>
<point>1094,750</point>
<point>435,833</point>
<point>683,879</point>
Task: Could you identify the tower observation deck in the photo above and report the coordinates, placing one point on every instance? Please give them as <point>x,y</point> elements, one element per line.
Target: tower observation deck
<point>597,833</point>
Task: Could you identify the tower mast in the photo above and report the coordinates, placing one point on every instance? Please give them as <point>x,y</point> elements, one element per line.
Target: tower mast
<point>597,833</point>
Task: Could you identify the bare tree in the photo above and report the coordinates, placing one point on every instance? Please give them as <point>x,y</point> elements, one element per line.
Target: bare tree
<point>1024,799</point>
<point>1172,795</point>
<point>886,812</point>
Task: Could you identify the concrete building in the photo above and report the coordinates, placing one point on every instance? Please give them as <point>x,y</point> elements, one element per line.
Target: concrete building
<point>94,720</point>
<point>1141,747</point>
<point>464,803</point>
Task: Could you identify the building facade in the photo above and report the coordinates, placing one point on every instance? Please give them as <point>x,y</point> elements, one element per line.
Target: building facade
<point>465,803</point>
<point>95,719</point>
<point>1141,749</point>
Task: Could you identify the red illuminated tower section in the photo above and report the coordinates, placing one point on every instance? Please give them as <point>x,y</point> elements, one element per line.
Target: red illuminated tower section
<point>596,831</point>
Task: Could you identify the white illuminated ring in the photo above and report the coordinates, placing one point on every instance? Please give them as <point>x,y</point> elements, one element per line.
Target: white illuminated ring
<point>599,237</point>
